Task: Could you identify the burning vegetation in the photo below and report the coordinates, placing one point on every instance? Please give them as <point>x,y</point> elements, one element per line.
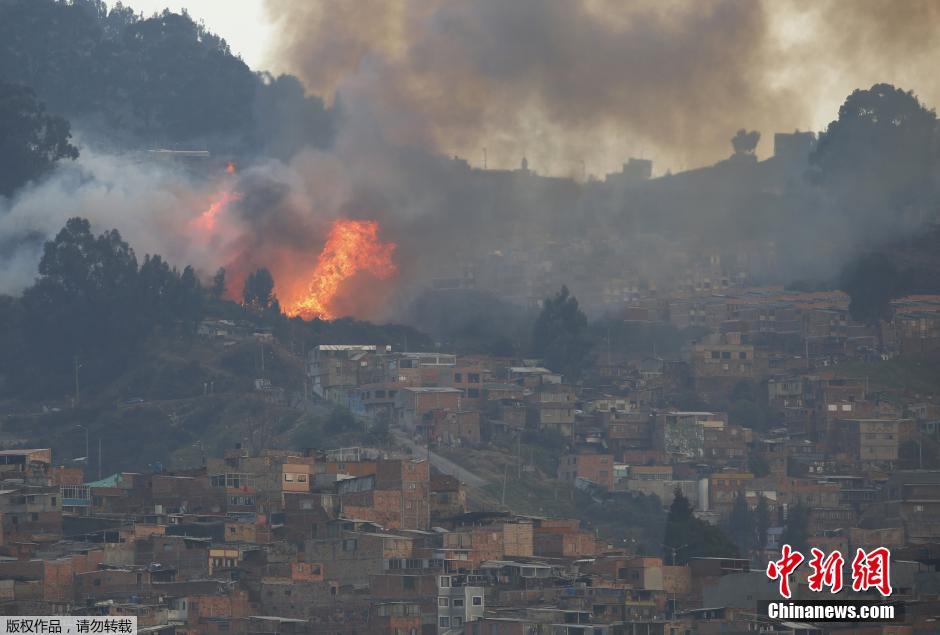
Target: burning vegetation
<point>352,247</point>
<point>206,221</point>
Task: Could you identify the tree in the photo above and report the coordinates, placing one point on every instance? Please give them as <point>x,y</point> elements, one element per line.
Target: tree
<point>740,524</point>
<point>381,430</point>
<point>758,466</point>
<point>159,79</point>
<point>259,287</point>
<point>283,99</point>
<point>217,291</point>
<point>157,285</point>
<point>84,303</point>
<point>93,308</point>
<point>308,433</point>
<point>746,413</point>
<point>877,160</point>
<point>875,128</point>
<point>31,141</point>
<point>744,142</point>
<point>761,524</point>
<point>189,299</point>
<point>687,536</point>
<point>679,522</point>
<point>796,528</point>
<point>341,421</point>
<point>560,334</point>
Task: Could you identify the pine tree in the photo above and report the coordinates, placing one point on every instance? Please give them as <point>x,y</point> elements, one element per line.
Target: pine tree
<point>741,524</point>
<point>761,525</point>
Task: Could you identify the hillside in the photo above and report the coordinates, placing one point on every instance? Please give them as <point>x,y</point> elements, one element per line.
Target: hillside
<point>177,394</point>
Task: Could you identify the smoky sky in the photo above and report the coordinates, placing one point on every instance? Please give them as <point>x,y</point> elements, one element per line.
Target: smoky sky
<point>557,81</point>
<point>562,82</point>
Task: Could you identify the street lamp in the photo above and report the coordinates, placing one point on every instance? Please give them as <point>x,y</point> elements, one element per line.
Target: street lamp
<point>87,454</point>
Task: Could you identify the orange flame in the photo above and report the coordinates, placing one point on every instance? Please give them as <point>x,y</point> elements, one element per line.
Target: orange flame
<point>206,221</point>
<point>352,246</point>
<point>230,167</point>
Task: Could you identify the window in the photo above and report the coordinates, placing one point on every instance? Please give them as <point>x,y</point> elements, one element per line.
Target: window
<point>443,622</point>
<point>725,354</point>
<point>458,621</point>
<point>474,378</point>
<point>458,378</point>
<point>458,603</point>
<point>716,355</point>
<point>742,355</point>
<point>473,393</point>
<point>289,478</point>
<point>477,600</point>
<point>349,544</point>
<point>832,407</point>
<point>442,601</point>
<point>444,581</point>
<point>301,478</point>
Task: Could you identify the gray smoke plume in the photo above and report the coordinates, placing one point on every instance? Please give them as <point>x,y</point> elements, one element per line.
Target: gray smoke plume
<point>562,82</point>
<point>575,87</point>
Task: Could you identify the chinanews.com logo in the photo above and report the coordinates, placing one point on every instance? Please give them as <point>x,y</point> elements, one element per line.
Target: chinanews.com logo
<point>870,571</point>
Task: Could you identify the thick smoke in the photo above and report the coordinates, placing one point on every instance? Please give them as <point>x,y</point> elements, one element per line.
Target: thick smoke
<point>147,201</point>
<point>556,81</point>
<point>156,203</point>
<point>562,82</point>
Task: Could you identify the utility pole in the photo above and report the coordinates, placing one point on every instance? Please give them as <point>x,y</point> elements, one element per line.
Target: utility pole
<point>99,458</point>
<point>76,379</point>
<point>87,456</point>
<point>608,348</point>
<point>502,501</point>
<point>674,551</point>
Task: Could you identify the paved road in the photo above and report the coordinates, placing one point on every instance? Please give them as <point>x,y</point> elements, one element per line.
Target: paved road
<point>441,463</point>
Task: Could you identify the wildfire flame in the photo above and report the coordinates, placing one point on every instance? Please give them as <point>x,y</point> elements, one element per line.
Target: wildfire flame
<point>230,167</point>
<point>352,246</point>
<point>207,219</point>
